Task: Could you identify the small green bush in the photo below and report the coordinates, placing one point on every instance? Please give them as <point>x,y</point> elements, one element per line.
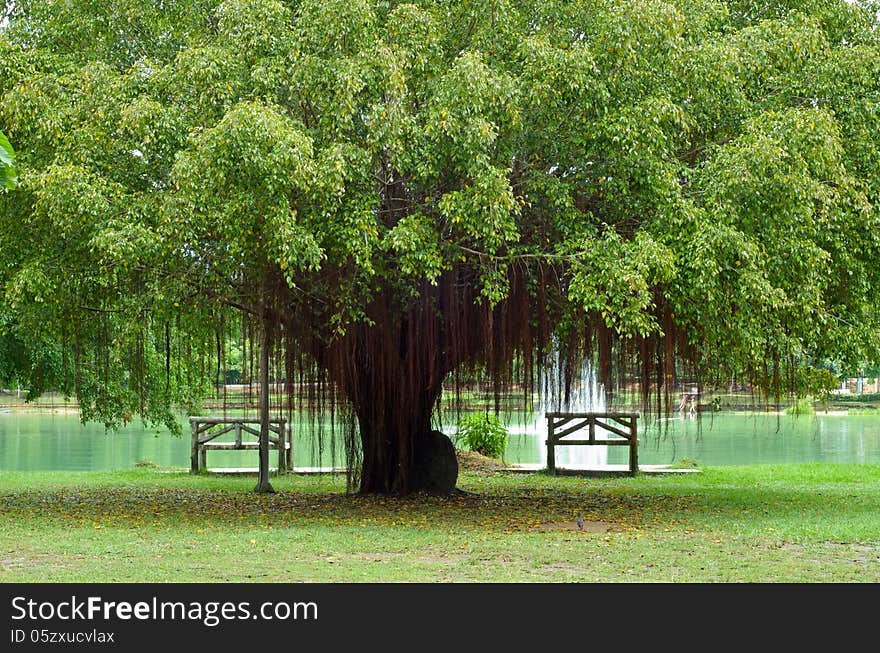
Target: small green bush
<point>801,406</point>
<point>483,433</point>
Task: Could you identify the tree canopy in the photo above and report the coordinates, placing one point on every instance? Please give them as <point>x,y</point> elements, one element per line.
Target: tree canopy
<point>406,193</point>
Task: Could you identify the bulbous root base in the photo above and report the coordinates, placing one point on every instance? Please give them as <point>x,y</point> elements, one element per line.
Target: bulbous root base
<point>435,465</point>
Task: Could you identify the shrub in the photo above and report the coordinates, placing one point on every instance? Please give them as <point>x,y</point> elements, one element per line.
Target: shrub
<point>801,406</point>
<point>483,433</point>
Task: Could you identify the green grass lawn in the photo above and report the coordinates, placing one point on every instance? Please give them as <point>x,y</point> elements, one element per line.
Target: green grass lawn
<point>793,523</point>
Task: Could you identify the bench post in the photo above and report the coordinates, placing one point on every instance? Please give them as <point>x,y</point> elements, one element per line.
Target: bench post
<point>289,448</point>
<point>634,446</point>
<point>551,446</point>
<point>281,447</point>
<point>194,450</point>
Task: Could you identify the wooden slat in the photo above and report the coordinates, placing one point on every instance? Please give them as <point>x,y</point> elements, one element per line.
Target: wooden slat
<point>230,446</point>
<point>230,420</point>
<point>273,426</point>
<point>215,434</point>
<point>204,427</point>
<point>616,441</point>
<point>255,432</point>
<point>582,415</point>
<point>589,422</point>
<point>613,429</point>
<point>557,422</point>
<point>572,429</point>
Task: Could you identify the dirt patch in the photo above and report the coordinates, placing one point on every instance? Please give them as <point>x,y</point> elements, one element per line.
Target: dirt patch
<point>427,558</point>
<point>476,462</point>
<point>10,562</point>
<point>588,527</point>
<point>370,556</point>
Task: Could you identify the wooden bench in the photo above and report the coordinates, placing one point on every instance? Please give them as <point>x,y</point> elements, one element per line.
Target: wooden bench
<point>624,425</point>
<point>205,429</point>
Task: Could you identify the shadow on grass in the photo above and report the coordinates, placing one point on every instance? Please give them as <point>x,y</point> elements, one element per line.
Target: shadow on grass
<point>491,503</point>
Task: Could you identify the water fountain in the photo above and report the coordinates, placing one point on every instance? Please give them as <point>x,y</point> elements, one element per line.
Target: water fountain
<point>586,394</point>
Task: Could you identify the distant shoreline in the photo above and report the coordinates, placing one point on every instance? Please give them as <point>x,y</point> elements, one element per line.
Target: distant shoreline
<point>827,411</point>
<point>39,408</point>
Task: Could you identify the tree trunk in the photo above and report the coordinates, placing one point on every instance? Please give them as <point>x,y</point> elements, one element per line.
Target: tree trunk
<point>263,484</point>
<point>401,453</point>
<point>393,378</point>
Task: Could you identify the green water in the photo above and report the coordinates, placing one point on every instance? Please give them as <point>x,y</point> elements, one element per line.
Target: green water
<point>46,441</point>
<point>50,441</point>
<point>738,439</point>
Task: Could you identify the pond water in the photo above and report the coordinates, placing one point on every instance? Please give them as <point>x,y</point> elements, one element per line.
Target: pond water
<point>729,439</point>
<point>57,441</point>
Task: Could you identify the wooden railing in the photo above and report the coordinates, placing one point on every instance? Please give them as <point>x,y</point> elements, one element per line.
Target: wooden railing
<point>205,429</point>
<point>562,425</point>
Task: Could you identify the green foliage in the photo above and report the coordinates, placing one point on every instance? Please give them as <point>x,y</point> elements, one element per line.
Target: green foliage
<point>815,382</point>
<point>802,406</point>
<point>712,162</point>
<point>8,176</point>
<point>483,433</point>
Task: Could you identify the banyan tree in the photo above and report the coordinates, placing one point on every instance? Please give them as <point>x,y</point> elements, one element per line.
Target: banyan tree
<point>402,196</point>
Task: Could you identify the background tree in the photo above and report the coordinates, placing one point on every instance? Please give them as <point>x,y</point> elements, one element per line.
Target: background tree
<point>400,195</point>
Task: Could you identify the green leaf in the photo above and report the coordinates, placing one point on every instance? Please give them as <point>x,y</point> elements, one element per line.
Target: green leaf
<point>8,178</point>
